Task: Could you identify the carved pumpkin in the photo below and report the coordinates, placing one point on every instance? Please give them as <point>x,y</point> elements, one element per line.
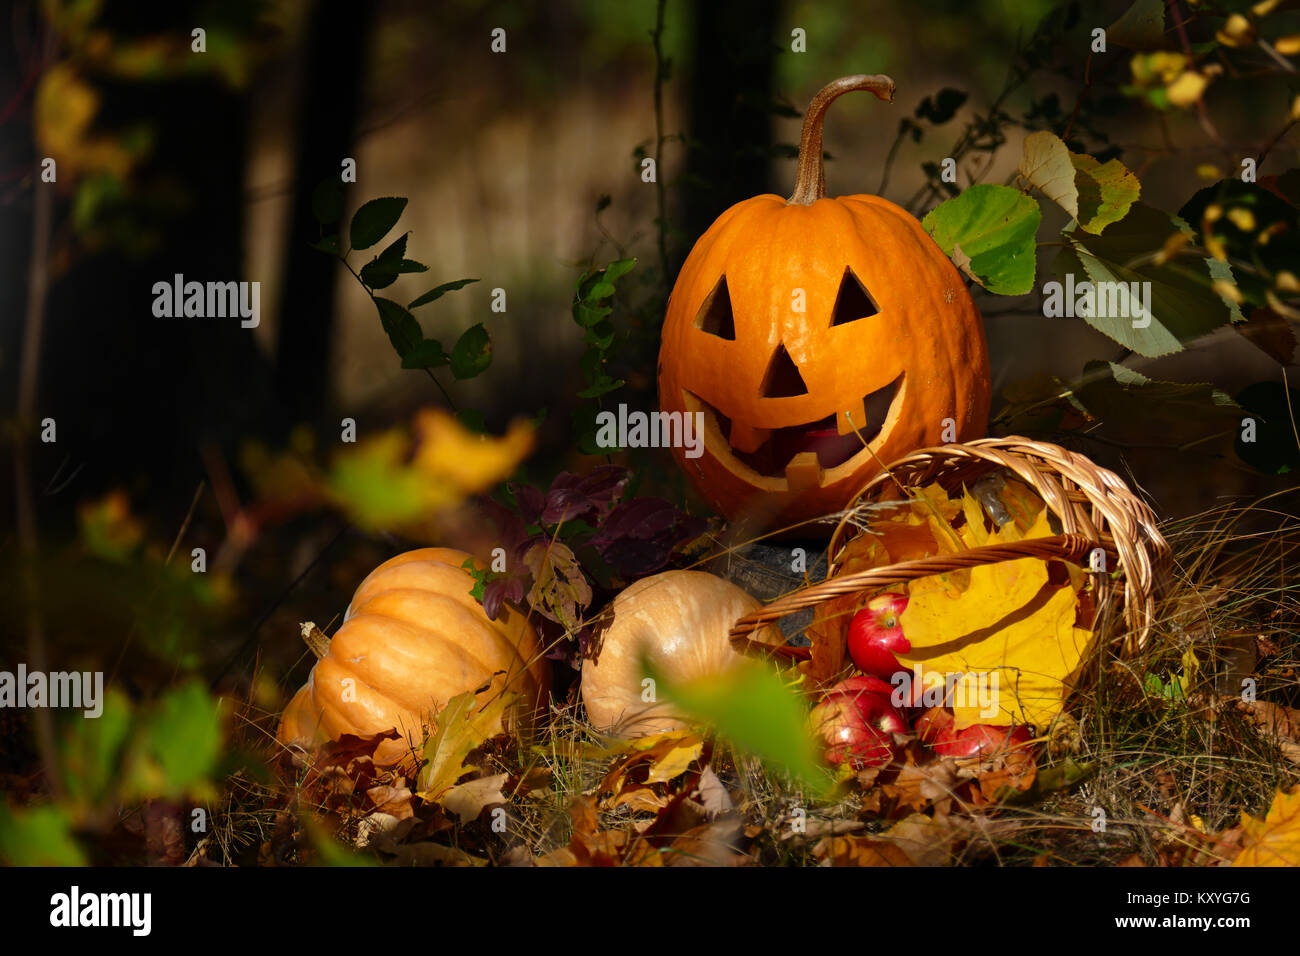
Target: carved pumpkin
<point>414,637</point>
<point>802,327</point>
<point>680,623</point>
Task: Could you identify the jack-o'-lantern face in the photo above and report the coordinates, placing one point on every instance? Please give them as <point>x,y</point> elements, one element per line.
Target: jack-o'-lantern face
<point>820,338</point>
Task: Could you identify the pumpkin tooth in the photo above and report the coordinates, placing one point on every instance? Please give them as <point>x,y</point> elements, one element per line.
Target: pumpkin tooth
<point>803,471</point>
<point>852,419</point>
<point>747,438</point>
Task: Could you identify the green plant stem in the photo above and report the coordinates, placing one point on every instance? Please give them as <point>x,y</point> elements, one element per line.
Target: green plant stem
<point>428,371</point>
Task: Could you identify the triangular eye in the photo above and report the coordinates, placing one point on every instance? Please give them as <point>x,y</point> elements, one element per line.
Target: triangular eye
<point>715,316</point>
<point>782,378</point>
<point>853,301</point>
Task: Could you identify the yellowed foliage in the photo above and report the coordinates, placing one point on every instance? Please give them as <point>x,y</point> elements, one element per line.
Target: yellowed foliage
<point>1002,625</point>
<point>64,108</point>
<point>461,726</point>
<point>1275,840</point>
<point>450,454</point>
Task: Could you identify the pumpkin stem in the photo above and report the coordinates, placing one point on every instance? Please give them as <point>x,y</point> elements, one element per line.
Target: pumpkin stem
<point>810,178</point>
<point>315,639</point>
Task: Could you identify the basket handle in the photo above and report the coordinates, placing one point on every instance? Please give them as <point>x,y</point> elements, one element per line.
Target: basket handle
<point>1073,547</point>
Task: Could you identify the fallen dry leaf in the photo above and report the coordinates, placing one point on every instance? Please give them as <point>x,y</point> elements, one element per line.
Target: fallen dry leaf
<point>461,727</point>
<point>1275,840</point>
<point>467,800</point>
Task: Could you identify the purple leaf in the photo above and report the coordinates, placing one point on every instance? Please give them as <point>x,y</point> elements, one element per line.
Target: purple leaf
<point>588,496</point>
<point>496,593</point>
<point>639,536</point>
<point>508,525</point>
<point>530,501</point>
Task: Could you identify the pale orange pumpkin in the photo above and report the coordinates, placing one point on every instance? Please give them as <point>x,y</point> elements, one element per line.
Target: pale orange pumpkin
<point>414,637</point>
<point>803,327</point>
<point>679,623</point>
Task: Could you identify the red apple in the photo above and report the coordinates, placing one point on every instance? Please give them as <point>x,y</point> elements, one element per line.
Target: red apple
<point>856,719</point>
<point>979,740</point>
<point>876,635</point>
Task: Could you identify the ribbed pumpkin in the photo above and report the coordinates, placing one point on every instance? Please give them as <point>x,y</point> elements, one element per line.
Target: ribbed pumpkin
<point>414,637</point>
<point>680,623</point>
<point>792,316</point>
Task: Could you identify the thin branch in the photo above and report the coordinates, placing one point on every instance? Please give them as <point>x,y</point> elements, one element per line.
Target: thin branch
<point>657,36</point>
<point>38,280</point>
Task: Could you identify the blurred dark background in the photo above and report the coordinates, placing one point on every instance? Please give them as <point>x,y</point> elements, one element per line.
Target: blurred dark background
<point>522,168</point>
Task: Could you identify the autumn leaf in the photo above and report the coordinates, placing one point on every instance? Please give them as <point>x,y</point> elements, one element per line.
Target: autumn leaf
<point>1094,194</point>
<point>1275,840</point>
<point>467,800</point>
<point>449,455</point>
<point>560,590</point>
<point>1008,633</point>
<point>394,479</point>
<point>462,726</point>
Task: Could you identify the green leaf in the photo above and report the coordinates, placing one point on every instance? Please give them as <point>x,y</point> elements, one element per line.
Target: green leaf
<point>180,741</point>
<point>1140,27</point>
<point>1183,304</point>
<point>373,221</point>
<point>1132,407</point>
<point>402,328</point>
<point>382,271</point>
<point>619,268</point>
<point>437,292</point>
<point>588,315</point>
<point>410,265</point>
<point>602,387</point>
<point>1106,191</point>
<point>427,354</point>
<point>91,754</point>
<point>479,575</point>
<point>376,487</point>
<point>994,226</point>
<point>1092,193</point>
<point>472,352</point>
<point>327,201</point>
<point>753,708</point>
<point>38,836</point>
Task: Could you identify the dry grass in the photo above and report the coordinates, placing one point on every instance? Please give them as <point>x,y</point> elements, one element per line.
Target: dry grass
<point>1165,767</point>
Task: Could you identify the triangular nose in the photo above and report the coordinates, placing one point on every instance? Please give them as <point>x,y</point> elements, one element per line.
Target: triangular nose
<point>782,378</point>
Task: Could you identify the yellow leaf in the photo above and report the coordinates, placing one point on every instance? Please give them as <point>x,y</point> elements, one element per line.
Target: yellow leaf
<point>974,533</point>
<point>63,111</point>
<point>1275,840</point>
<point>450,454</point>
<point>1009,636</point>
<point>675,762</point>
<point>461,726</point>
<point>1187,89</point>
<point>1236,31</point>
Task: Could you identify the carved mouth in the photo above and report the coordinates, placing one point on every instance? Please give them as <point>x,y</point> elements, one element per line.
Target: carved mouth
<point>776,449</point>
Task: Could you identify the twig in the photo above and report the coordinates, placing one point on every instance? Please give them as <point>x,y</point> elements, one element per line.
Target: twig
<point>657,35</point>
<point>1202,114</point>
<point>1268,147</point>
<point>1278,58</point>
<point>38,280</point>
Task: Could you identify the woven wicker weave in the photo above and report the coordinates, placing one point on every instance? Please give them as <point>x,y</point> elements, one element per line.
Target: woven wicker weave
<point>1094,507</point>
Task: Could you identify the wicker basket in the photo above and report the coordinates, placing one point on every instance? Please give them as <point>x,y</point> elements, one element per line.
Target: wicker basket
<point>1093,506</point>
